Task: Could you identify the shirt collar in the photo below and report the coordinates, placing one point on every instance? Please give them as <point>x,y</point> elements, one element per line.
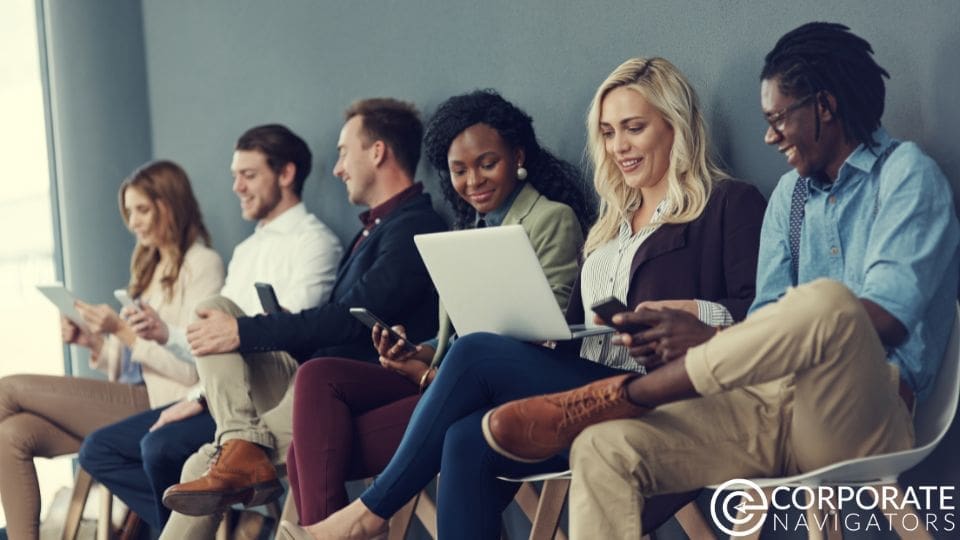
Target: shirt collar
<point>495,217</point>
<point>285,222</point>
<point>382,210</point>
<point>864,157</point>
<point>626,226</point>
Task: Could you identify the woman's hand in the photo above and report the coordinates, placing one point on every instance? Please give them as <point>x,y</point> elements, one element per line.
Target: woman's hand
<point>74,335</point>
<point>101,318</point>
<point>411,368</point>
<point>146,323</point>
<point>400,350</point>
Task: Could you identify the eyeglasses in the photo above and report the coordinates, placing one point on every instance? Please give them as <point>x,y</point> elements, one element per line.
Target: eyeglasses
<point>778,119</point>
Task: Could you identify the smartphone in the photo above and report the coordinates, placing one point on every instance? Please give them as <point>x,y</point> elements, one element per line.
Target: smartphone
<point>610,306</point>
<point>123,297</point>
<point>371,320</point>
<point>268,297</point>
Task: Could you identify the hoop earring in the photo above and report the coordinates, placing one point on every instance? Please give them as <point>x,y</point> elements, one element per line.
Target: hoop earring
<point>521,173</point>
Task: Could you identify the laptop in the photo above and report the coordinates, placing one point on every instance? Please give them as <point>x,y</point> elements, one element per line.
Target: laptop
<point>490,280</point>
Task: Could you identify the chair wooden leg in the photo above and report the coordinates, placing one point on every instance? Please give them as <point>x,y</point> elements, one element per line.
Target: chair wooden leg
<point>546,523</point>
<point>693,523</point>
<point>78,499</point>
<point>225,530</point>
<point>426,511</point>
<point>400,522</point>
<point>131,526</point>
<point>831,524</point>
<point>527,499</point>
<point>899,522</point>
<point>823,524</point>
<point>105,520</point>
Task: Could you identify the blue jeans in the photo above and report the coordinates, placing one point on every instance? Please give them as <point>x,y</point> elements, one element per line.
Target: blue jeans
<point>480,371</point>
<point>137,465</point>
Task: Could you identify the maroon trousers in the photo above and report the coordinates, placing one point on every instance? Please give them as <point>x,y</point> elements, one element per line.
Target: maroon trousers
<point>348,419</point>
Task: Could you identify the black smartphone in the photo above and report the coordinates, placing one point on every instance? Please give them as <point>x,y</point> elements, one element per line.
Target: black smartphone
<point>268,297</point>
<point>606,308</point>
<point>610,306</point>
<point>371,320</point>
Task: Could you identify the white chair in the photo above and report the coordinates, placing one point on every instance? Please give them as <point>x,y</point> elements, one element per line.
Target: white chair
<point>933,419</point>
<point>931,423</point>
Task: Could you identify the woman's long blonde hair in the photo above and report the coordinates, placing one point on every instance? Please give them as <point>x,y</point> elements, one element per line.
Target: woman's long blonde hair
<point>177,221</point>
<point>691,172</point>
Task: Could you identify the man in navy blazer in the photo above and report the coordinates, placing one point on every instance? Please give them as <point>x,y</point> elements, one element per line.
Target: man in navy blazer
<point>247,363</point>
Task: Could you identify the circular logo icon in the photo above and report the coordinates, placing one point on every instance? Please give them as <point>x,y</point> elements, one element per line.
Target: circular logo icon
<point>741,503</point>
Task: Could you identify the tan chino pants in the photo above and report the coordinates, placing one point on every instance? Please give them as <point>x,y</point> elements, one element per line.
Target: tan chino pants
<point>800,384</point>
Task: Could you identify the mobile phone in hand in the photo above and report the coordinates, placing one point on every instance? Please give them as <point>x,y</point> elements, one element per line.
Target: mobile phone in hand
<point>268,297</point>
<point>606,308</point>
<point>123,297</point>
<point>371,320</point>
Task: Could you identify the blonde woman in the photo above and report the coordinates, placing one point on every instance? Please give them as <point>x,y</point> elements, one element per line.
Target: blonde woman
<point>172,267</point>
<point>673,231</point>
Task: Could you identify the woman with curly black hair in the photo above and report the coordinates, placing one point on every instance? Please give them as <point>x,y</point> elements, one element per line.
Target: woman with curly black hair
<point>349,416</point>
<point>674,232</point>
<point>553,178</point>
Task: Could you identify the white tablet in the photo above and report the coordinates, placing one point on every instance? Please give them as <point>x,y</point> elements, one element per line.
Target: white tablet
<point>63,299</point>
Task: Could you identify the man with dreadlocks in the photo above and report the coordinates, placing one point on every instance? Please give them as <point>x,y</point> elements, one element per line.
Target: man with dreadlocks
<point>856,287</point>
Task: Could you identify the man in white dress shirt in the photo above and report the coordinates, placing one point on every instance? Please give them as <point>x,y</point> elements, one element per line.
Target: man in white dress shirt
<point>290,249</point>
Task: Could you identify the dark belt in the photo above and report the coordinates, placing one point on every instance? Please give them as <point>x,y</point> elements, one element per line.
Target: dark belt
<point>906,393</point>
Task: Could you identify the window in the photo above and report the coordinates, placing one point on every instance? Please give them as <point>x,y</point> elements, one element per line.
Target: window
<point>29,324</point>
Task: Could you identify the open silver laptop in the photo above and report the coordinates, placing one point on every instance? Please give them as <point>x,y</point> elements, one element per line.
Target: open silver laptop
<point>490,280</point>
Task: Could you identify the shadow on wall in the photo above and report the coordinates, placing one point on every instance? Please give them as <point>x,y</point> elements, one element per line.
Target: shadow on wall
<point>947,117</point>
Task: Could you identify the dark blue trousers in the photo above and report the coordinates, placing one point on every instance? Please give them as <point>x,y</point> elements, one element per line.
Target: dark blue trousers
<point>137,465</point>
<point>480,372</point>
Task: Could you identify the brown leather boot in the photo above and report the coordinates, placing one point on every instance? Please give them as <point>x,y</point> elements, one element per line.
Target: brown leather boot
<point>534,429</point>
<point>240,472</point>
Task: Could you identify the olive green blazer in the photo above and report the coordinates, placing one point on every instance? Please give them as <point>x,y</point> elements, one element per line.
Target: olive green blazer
<point>556,238</point>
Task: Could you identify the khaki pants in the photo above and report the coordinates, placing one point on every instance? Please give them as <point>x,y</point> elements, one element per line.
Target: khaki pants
<point>48,416</point>
<point>250,396</point>
<point>800,384</point>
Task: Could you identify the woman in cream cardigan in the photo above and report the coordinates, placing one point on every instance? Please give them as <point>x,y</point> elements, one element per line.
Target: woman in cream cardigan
<point>172,267</point>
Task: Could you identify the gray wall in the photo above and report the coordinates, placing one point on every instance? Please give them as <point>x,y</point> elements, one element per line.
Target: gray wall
<point>216,67</point>
<point>97,99</point>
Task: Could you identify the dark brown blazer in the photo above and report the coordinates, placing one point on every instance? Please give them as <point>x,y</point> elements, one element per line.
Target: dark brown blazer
<point>712,258</point>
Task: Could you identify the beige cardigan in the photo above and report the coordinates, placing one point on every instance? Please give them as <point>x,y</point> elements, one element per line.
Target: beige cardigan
<point>167,377</point>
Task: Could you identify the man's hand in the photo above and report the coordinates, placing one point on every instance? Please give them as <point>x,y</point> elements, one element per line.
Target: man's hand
<point>146,323</point>
<point>662,335</point>
<point>178,411</point>
<point>215,332</point>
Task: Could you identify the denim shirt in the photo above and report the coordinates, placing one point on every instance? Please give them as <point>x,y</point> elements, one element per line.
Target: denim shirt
<point>888,232</point>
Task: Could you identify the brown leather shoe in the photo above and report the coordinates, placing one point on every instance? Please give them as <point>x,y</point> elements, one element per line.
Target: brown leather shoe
<point>534,429</point>
<point>240,472</point>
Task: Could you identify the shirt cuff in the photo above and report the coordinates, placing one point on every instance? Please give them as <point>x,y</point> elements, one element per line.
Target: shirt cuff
<point>713,314</point>
<point>195,393</point>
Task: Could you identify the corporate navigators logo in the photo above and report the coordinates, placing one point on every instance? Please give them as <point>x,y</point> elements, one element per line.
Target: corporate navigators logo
<point>740,502</point>
<point>745,507</point>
